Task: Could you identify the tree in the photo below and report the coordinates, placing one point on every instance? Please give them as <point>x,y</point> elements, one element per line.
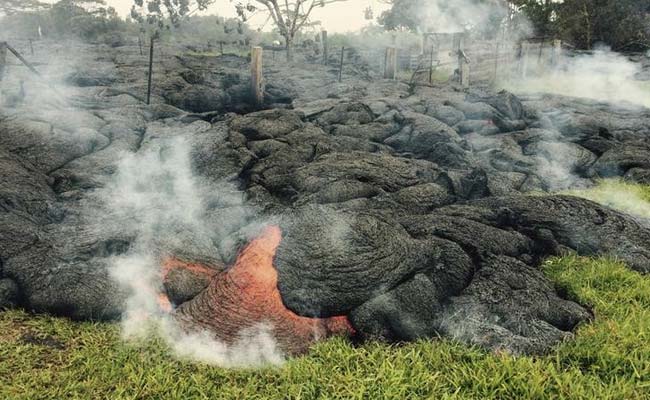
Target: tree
<point>289,17</point>
<point>542,14</point>
<point>621,24</point>
<point>86,19</point>
<point>215,29</point>
<point>159,14</point>
<point>10,7</point>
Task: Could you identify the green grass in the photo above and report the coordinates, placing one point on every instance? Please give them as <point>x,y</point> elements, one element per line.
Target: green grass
<point>43,357</point>
<point>628,197</point>
<point>609,359</point>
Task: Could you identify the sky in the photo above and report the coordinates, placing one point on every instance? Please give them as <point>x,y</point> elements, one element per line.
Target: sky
<point>338,17</point>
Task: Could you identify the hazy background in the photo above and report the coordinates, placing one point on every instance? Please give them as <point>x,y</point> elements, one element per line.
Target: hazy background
<point>346,16</point>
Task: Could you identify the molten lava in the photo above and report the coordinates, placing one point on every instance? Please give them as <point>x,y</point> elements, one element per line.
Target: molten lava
<point>174,263</point>
<point>247,295</point>
<point>164,303</point>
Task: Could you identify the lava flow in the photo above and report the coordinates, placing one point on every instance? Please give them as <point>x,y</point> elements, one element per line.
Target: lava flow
<point>247,295</point>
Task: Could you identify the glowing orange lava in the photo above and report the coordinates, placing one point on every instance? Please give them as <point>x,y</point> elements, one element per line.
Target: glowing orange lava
<point>247,295</point>
<point>164,303</point>
<point>172,263</point>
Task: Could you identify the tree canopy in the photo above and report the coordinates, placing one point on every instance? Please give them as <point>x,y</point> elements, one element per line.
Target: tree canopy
<point>10,7</point>
<point>163,13</point>
<point>289,17</point>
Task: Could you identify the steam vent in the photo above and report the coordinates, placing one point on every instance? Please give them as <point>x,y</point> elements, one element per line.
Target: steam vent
<point>361,207</point>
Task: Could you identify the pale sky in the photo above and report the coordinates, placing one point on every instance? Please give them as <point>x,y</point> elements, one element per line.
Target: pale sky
<point>338,17</point>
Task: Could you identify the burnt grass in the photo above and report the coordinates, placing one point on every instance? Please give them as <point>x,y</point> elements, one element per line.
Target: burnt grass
<point>408,209</point>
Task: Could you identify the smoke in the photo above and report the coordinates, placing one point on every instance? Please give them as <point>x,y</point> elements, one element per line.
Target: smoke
<point>600,75</point>
<point>555,162</point>
<point>158,199</point>
<point>255,347</point>
<point>619,195</point>
<point>457,16</point>
<point>52,91</point>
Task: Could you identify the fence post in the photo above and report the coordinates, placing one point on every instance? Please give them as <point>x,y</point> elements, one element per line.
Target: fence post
<point>150,71</point>
<point>3,59</point>
<point>496,61</point>
<point>423,44</point>
<point>31,46</point>
<point>325,47</point>
<point>257,83</point>
<point>557,52</point>
<point>463,63</point>
<point>341,66</point>
<point>431,66</point>
<point>523,59</point>
<point>390,69</point>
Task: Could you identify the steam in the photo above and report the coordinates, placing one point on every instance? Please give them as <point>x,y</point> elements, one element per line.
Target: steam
<point>157,198</point>
<point>457,16</point>
<point>602,75</point>
<point>619,195</point>
<point>46,90</point>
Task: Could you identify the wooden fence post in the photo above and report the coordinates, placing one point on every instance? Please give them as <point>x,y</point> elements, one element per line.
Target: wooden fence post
<point>463,62</point>
<point>524,59</point>
<point>325,46</point>
<point>423,44</point>
<point>140,44</point>
<point>31,46</point>
<point>150,71</point>
<point>341,65</point>
<point>464,73</point>
<point>496,61</point>
<point>557,52</point>
<point>257,80</point>
<point>541,52</point>
<point>390,68</point>
<point>431,65</point>
<point>3,59</point>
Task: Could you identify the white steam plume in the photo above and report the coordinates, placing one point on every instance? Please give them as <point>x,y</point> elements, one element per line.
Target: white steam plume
<point>456,16</point>
<point>602,75</point>
<point>157,197</point>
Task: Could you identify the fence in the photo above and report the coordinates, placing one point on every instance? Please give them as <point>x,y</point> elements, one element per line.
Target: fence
<point>441,57</point>
<point>445,57</point>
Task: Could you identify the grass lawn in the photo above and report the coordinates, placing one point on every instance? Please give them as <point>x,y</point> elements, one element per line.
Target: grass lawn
<point>43,357</point>
<point>46,357</point>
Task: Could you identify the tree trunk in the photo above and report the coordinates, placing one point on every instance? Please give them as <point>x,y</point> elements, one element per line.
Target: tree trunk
<point>289,48</point>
